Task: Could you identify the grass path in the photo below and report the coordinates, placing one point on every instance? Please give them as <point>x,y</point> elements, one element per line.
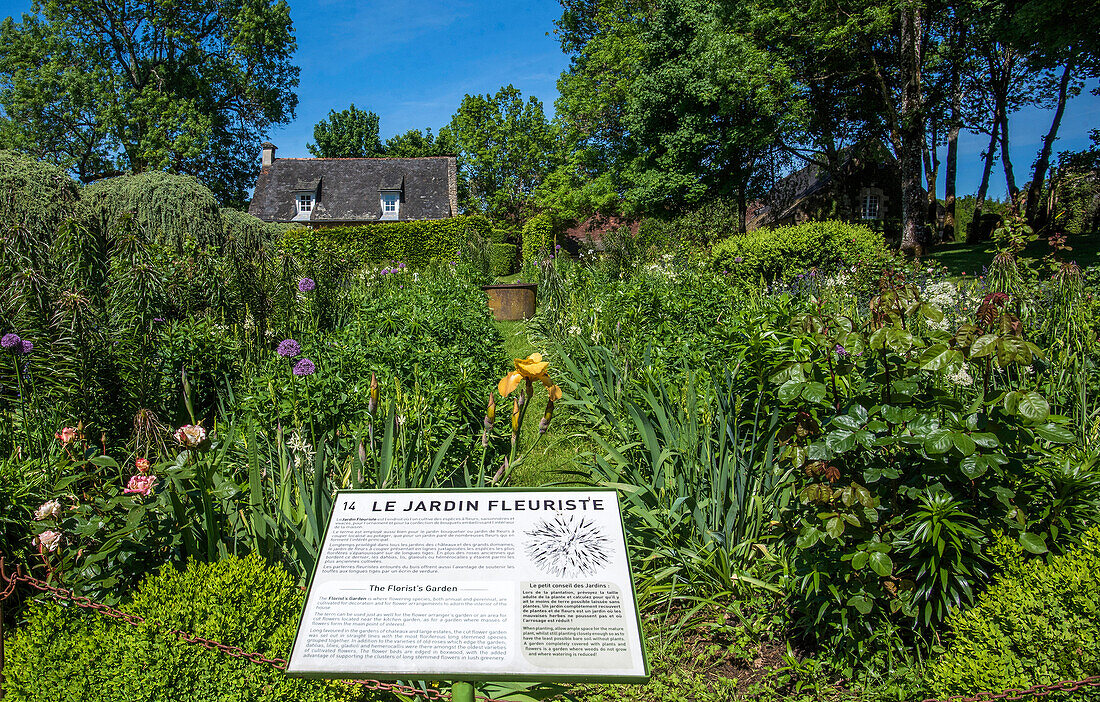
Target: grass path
<point>558,449</point>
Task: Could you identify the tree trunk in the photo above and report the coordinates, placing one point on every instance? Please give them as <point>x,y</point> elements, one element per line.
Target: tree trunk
<point>931,174</point>
<point>951,168</point>
<point>911,134</point>
<point>1034,192</point>
<point>1006,160</point>
<point>974,229</point>
<point>742,206</point>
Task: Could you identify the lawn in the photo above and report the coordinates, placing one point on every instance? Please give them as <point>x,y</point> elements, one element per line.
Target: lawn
<point>970,259</point>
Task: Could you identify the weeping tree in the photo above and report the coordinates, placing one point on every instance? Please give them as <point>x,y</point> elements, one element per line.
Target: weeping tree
<point>171,210</point>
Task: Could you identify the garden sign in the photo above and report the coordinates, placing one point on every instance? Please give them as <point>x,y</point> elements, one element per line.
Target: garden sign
<point>472,585</point>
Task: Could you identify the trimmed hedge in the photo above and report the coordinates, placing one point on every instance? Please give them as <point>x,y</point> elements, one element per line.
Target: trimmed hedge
<point>504,259</point>
<point>781,254</point>
<point>1039,623</point>
<point>537,236</point>
<point>65,653</point>
<point>416,243</point>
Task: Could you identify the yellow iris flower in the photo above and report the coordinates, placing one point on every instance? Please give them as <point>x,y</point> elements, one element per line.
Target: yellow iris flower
<point>530,369</point>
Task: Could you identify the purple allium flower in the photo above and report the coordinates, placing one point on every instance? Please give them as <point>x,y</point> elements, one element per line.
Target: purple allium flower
<point>289,348</point>
<point>841,351</point>
<point>11,342</point>
<point>400,265</point>
<point>28,346</point>
<point>385,271</point>
<point>306,285</point>
<point>557,247</point>
<point>304,367</point>
<point>738,260</point>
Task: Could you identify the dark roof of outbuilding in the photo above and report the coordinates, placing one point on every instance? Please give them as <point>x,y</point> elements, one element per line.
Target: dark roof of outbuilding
<point>349,189</point>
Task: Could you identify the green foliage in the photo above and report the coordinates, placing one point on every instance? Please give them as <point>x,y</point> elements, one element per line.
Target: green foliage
<point>505,146</point>
<point>68,653</point>
<point>36,198</point>
<point>416,244</point>
<point>504,259</point>
<point>190,88</point>
<point>167,209</point>
<point>537,237</point>
<point>1036,625</point>
<point>782,253</point>
<point>350,133</point>
<point>415,144</point>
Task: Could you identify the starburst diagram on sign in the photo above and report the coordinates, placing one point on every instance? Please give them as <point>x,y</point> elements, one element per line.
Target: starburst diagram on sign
<point>568,546</point>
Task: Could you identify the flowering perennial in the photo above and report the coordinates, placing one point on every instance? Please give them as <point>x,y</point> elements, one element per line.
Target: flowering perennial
<point>190,435</point>
<point>304,367</point>
<point>289,348</point>
<point>141,485</point>
<point>306,285</point>
<point>48,510</point>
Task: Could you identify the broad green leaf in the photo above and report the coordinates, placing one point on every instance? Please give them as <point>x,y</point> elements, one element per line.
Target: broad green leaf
<point>862,603</point>
<point>1052,432</point>
<point>881,564</point>
<point>983,346</point>
<point>963,443</point>
<point>859,561</point>
<point>1033,542</point>
<point>938,441</point>
<point>790,390</point>
<point>834,527</point>
<point>1033,407</point>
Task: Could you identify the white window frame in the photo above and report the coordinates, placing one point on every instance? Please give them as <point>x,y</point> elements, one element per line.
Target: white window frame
<point>304,203</point>
<point>866,211</point>
<point>391,198</point>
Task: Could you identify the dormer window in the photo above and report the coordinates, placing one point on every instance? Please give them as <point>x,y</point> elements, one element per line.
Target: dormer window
<point>391,204</point>
<point>304,202</point>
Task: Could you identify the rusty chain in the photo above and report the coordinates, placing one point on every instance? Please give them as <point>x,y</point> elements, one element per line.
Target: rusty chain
<point>234,651</point>
<point>1024,693</point>
<point>427,693</point>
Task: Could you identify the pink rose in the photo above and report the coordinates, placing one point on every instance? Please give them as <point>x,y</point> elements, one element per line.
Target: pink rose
<point>48,510</point>
<point>191,435</point>
<point>141,485</point>
<point>48,540</point>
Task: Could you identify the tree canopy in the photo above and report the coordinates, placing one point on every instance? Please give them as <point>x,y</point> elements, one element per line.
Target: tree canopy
<point>350,133</point>
<point>102,87</point>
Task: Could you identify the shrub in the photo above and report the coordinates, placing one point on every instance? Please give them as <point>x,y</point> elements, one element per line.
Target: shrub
<point>782,253</point>
<point>414,243</point>
<point>504,259</point>
<point>65,653</point>
<point>1039,623</point>
<point>537,236</point>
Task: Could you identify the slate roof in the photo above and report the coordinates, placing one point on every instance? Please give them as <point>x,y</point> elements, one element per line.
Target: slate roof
<point>349,189</point>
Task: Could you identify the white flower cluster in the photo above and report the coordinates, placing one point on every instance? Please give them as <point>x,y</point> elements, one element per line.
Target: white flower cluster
<point>303,450</point>
<point>961,377</point>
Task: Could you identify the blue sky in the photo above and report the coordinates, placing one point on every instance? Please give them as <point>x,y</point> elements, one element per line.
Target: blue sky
<point>412,61</point>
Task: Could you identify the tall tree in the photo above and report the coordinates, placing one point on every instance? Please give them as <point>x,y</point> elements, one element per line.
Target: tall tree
<point>105,86</point>
<point>349,133</point>
<point>505,149</point>
<point>415,143</point>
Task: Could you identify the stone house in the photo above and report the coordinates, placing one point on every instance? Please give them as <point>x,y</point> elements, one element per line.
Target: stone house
<point>336,191</point>
<point>864,187</point>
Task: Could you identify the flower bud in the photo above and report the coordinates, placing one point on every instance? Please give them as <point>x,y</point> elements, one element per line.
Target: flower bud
<point>544,424</point>
<point>515,419</point>
<point>372,404</point>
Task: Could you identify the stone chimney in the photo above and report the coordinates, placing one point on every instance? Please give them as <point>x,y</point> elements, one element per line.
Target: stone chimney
<point>268,154</point>
<point>452,184</point>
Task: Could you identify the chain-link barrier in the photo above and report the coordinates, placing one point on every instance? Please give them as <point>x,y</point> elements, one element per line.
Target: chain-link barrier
<point>9,583</point>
